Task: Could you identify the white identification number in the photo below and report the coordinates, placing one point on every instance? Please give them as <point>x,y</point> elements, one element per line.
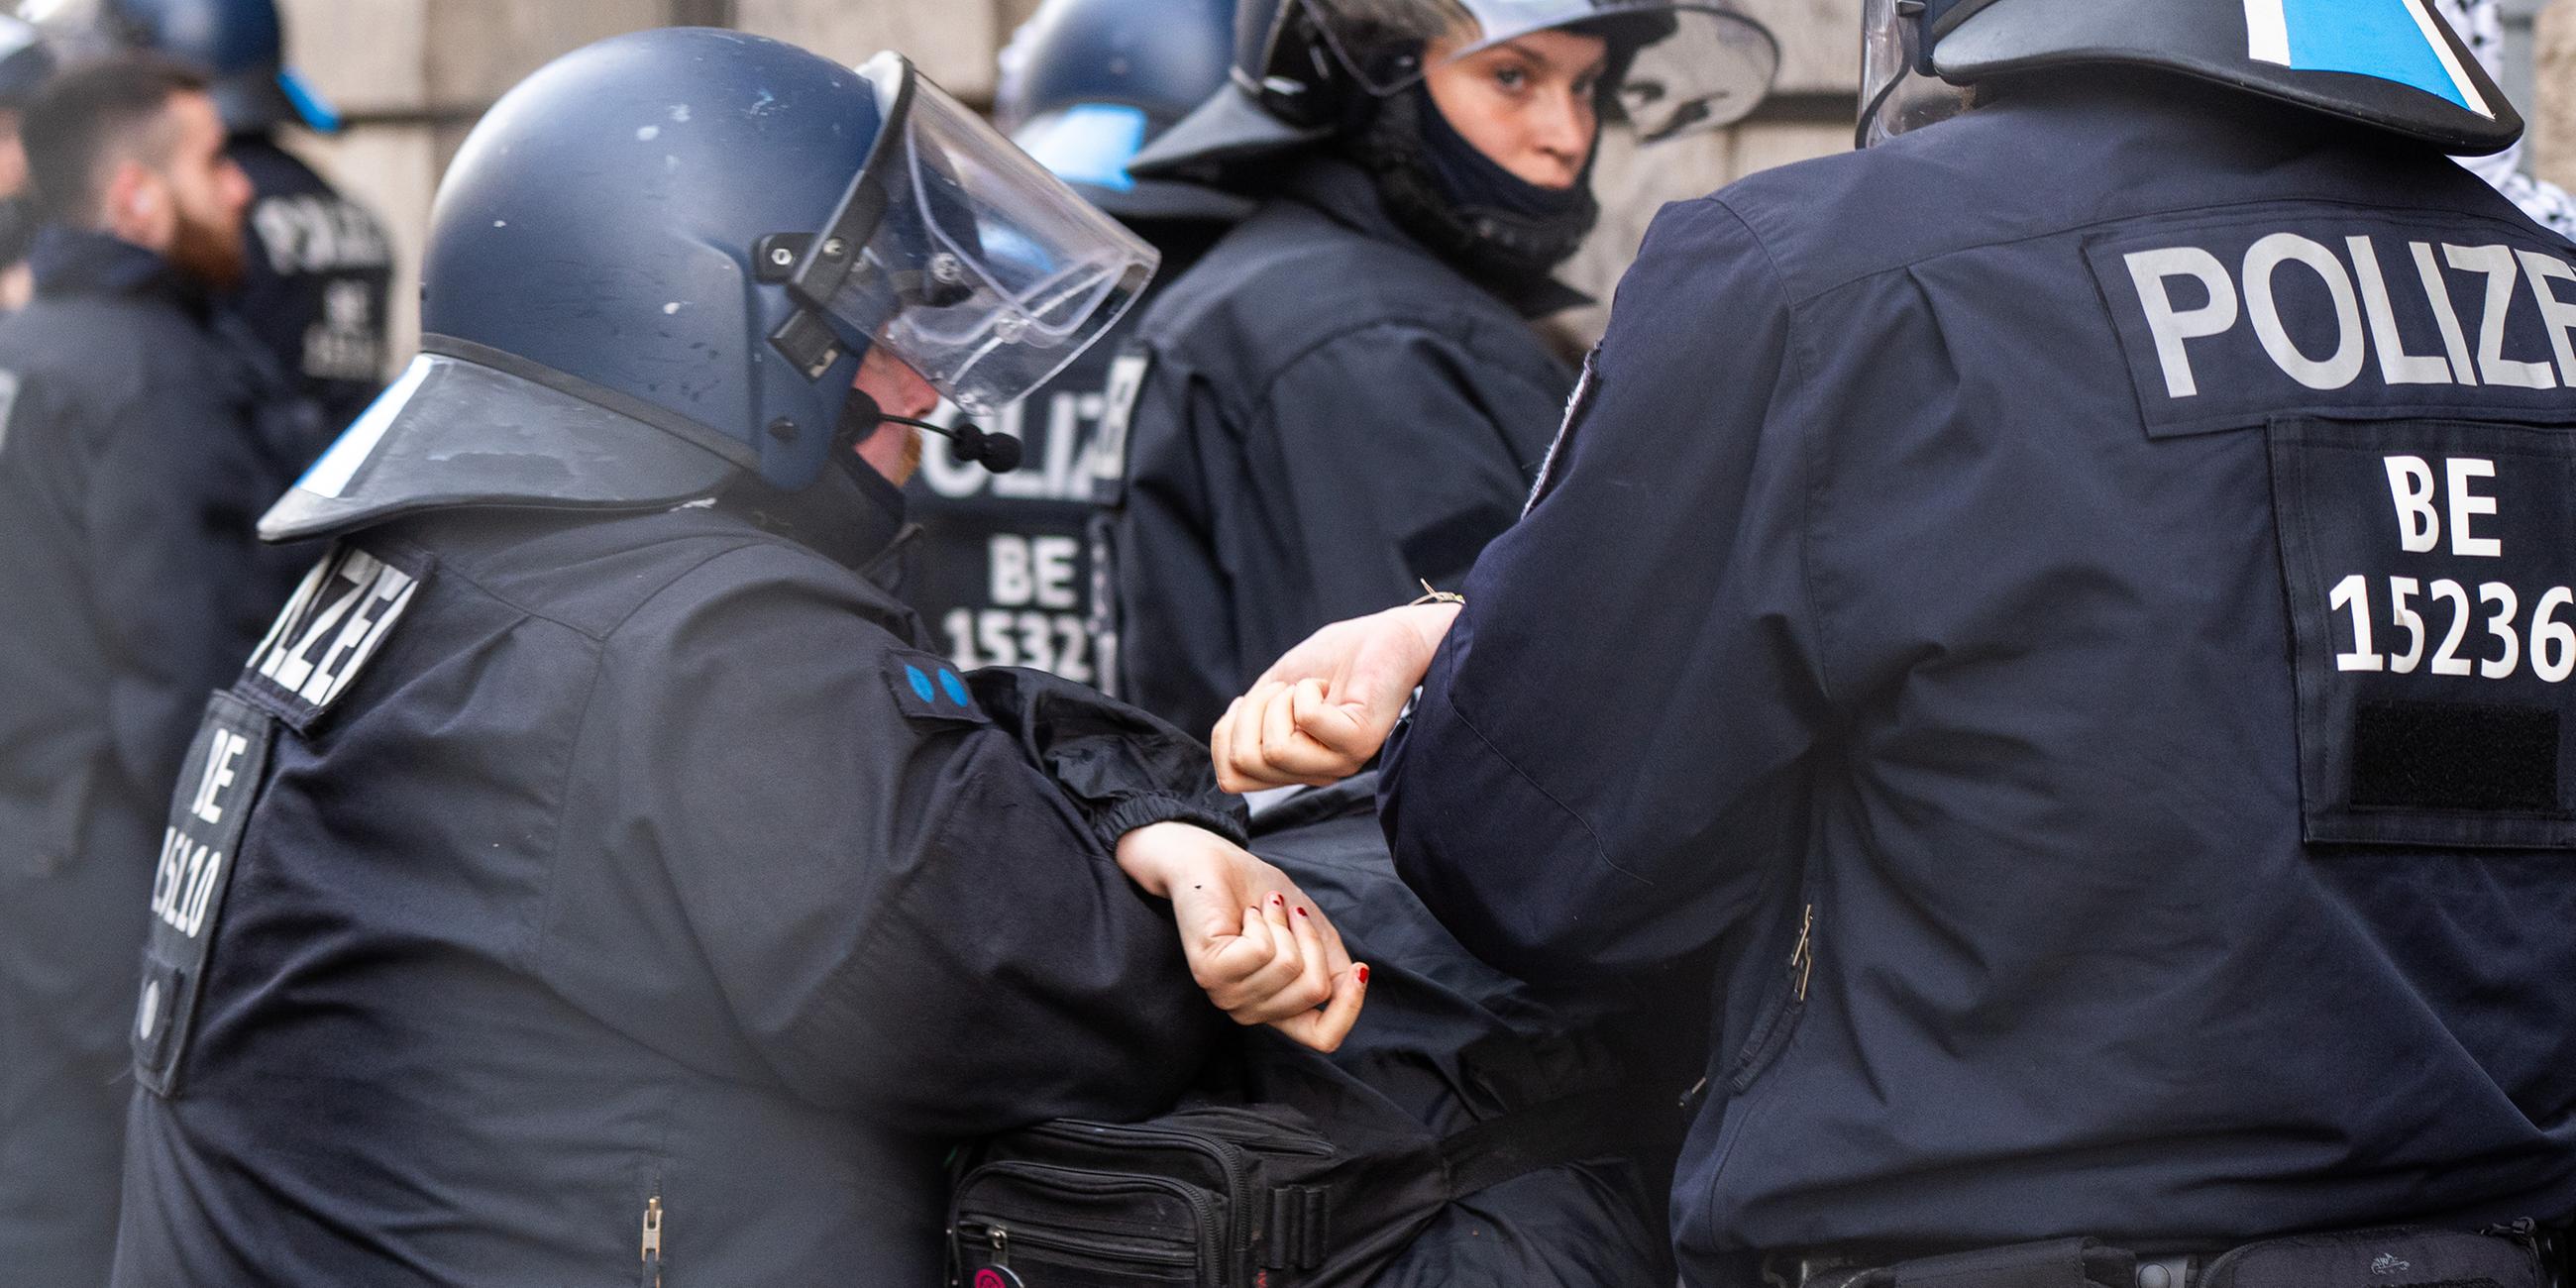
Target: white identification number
<point>2547,635</point>
<point>1055,643</point>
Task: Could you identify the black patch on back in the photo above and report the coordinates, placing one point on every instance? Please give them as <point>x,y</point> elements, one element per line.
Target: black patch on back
<point>2455,756</point>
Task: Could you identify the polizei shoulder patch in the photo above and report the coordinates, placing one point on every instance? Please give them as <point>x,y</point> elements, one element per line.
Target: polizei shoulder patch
<point>338,619</point>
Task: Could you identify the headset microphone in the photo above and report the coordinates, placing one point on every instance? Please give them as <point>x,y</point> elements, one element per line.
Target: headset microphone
<point>968,443</point>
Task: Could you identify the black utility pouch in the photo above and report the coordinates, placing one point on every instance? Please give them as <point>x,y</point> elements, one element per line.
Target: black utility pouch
<point>1218,1197</point>
<point>2394,1257</point>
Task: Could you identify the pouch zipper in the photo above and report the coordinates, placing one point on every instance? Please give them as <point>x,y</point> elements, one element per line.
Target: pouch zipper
<point>1229,1161</point>
<point>1002,1238</point>
<point>1202,1211</point>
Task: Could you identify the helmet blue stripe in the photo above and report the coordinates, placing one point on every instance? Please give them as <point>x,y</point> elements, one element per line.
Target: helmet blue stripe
<point>319,116</point>
<point>2392,40</point>
<point>1089,143</point>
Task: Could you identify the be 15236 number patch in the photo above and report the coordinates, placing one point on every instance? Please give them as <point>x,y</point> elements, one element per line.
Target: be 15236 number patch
<point>2431,570</point>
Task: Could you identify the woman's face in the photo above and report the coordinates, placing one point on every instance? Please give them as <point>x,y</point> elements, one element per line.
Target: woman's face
<point>1528,103</point>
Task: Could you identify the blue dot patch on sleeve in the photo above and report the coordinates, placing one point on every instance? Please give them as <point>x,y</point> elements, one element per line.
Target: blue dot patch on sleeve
<point>926,687</point>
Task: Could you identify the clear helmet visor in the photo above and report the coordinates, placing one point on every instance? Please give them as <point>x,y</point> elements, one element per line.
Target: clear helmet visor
<point>1675,66</point>
<point>1895,94</point>
<point>965,258</point>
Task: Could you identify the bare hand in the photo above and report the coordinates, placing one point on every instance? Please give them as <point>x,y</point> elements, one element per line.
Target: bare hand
<point>1254,940</point>
<point>1325,708</point>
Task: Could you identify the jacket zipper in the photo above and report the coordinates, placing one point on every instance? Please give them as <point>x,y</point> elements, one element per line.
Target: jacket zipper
<point>653,1242</point>
<point>1774,1031</point>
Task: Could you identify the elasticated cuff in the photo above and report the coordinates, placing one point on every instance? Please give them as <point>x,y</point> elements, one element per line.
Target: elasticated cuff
<point>1146,810</point>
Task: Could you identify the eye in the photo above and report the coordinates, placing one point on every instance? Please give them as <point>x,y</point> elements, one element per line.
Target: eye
<point>1511,79</point>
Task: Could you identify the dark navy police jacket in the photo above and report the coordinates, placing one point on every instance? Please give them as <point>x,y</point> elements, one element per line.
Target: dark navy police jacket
<point>2077,604</point>
<point>1450,1045</point>
<point>554,889</point>
<point>1329,413</point>
<point>319,286</point>
<point>131,472</point>
<point>1005,572</point>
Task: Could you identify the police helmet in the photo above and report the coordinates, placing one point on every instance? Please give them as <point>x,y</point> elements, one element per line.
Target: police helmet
<point>25,63</point>
<point>2393,65</point>
<point>240,44</point>
<point>1086,84</point>
<point>655,265</point>
<point>1684,66</point>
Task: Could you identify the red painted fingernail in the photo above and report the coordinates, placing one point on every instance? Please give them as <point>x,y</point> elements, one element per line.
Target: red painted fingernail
<point>1362,972</point>
<point>1277,899</point>
<point>1301,912</point>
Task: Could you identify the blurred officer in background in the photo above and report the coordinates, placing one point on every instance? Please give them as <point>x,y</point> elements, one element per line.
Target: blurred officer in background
<point>129,483</point>
<point>1345,397</point>
<point>2077,598</point>
<point>25,62</point>
<point>2481,24</point>
<point>1005,575</point>
<point>321,269</point>
<point>591,859</point>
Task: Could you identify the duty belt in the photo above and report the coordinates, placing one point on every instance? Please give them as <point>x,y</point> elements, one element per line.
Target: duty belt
<point>2388,1257</point>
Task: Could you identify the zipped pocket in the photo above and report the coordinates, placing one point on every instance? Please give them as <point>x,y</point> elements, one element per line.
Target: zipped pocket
<point>1779,1020</point>
<point>652,1253</point>
<point>1085,1229</point>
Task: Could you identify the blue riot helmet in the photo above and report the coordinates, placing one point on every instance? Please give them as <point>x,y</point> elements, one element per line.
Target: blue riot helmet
<point>1087,84</point>
<point>655,264</point>
<point>1682,66</point>
<point>2392,65</point>
<point>241,44</point>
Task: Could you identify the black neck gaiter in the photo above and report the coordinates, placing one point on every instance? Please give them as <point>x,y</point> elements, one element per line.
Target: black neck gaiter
<point>1494,226</point>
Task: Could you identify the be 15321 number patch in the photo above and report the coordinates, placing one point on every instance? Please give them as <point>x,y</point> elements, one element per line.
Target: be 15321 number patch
<point>2431,570</point>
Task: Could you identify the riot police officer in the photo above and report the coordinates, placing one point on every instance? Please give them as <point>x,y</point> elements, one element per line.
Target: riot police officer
<point>1345,396</point>
<point>2073,602</point>
<point>129,480</point>
<point>321,267</point>
<point>1005,575</point>
<point>590,862</point>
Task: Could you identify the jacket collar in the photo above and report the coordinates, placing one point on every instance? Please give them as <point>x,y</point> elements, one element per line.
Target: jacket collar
<point>73,261</point>
<point>1342,192</point>
<point>851,515</point>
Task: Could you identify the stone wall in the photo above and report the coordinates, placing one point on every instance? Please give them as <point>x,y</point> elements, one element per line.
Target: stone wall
<point>2553,114</point>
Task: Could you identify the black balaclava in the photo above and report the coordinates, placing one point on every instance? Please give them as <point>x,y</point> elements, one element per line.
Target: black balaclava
<point>1494,226</point>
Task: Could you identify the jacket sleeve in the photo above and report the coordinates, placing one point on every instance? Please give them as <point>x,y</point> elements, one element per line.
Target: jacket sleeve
<point>175,571</point>
<point>1177,653</point>
<point>1605,764</point>
<point>1122,768</point>
<point>902,913</point>
<point>1397,453</point>
<point>1384,456</point>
